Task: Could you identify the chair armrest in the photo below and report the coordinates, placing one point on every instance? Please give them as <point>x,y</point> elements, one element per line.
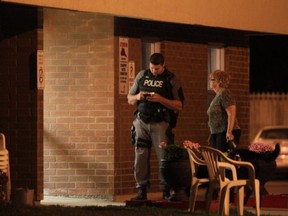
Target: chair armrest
<point>246,164</point>
<point>196,158</point>
<point>230,167</point>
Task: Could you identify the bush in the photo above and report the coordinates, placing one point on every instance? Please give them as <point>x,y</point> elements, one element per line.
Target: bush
<point>175,152</point>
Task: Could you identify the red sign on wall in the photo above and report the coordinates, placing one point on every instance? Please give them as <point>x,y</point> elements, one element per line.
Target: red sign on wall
<point>123,65</point>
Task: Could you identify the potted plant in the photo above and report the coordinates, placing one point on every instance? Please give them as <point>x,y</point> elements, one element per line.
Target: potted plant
<point>264,161</point>
<point>175,169</point>
<point>175,153</point>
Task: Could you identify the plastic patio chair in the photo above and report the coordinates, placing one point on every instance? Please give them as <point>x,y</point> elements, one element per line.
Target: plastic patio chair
<point>215,161</point>
<point>195,162</point>
<point>5,165</point>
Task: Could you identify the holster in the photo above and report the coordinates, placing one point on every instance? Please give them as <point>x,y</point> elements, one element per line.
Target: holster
<point>133,135</point>
<point>143,143</point>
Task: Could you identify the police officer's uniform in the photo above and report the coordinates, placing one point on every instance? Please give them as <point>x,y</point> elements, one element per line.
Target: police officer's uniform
<point>151,123</point>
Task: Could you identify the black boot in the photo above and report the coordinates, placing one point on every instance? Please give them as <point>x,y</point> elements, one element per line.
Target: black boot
<point>141,195</point>
<point>166,194</point>
<point>173,197</point>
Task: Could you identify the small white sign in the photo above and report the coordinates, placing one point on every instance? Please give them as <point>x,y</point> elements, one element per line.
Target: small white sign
<point>131,68</point>
<point>40,70</point>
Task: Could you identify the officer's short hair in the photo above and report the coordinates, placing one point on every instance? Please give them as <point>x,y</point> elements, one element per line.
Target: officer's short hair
<point>157,58</point>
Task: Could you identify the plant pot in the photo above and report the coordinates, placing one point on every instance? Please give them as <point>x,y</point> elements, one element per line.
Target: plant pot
<point>264,172</point>
<point>177,174</point>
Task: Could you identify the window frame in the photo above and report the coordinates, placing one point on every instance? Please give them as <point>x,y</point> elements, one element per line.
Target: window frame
<point>148,48</point>
<point>216,59</point>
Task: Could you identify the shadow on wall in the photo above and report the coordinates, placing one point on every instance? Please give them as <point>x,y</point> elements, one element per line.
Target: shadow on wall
<point>28,20</point>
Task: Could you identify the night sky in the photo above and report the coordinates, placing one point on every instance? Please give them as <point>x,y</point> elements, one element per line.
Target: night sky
<point>269,64</point>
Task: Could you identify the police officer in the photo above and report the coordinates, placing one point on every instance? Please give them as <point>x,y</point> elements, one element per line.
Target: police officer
<point>159,96</point>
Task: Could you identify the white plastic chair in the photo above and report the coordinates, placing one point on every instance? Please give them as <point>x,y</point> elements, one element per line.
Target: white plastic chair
<point>215,161</point>
<point>5,165</point>
<point>195,162</point>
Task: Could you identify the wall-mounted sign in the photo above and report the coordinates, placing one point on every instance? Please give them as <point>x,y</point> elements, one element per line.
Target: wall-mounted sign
<point>40,70</point>
<point>123,65</point>
<point>131,73</point>
<point>131,69</point>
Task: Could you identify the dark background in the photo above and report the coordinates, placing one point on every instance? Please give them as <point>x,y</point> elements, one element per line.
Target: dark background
<point>269,64</point>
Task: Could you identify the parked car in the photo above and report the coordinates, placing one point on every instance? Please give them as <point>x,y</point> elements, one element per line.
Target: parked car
<point>272,135</point>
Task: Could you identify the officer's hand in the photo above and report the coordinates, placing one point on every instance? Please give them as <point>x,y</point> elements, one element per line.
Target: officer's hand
<point>154,97</point>
<point>142,95</point>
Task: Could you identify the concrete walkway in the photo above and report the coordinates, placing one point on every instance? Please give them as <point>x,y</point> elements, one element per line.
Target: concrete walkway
<point>71,201</point>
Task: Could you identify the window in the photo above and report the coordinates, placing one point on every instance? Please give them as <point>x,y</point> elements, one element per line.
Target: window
<point>148,49</point>
<point>215,59</point>
<point>275,134</point>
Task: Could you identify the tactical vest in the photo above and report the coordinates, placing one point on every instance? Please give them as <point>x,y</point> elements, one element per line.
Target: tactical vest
<point>160,85</point>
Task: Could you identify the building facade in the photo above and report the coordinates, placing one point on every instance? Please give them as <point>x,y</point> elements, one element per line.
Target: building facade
<point>70,134</point>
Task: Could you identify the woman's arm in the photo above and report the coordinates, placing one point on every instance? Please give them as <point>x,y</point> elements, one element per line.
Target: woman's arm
<point>231,113</point>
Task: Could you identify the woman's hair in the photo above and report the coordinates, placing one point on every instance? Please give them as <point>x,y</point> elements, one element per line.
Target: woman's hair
<point>222,77</point>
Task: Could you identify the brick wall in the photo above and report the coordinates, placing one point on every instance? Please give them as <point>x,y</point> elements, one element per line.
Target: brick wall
<point>124,150</point>
<point>189,62</point>
<point>87,147</point>
<point>78,103</point>
<point>237,62</point>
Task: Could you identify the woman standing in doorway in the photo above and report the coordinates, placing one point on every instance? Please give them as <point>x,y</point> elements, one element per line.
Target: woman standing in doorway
<point>222,121</point>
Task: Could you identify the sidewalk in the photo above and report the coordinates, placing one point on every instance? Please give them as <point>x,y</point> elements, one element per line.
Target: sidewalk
<point>269,211</point>
<point>121,201</point>
<point>71,201</point>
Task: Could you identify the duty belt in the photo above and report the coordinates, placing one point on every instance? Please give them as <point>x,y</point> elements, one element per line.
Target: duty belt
<point>154,118</point>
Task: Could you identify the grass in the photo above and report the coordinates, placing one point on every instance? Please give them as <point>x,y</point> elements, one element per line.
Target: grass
<point>92,210</point>
<point>56,210</point>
